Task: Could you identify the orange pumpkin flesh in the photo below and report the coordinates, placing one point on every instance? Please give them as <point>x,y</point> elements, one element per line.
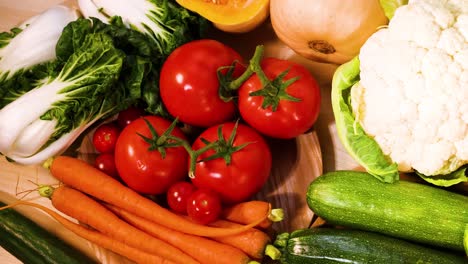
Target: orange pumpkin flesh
<point>236,16</point>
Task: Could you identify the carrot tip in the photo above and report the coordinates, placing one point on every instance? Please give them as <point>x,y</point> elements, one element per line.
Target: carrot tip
<point>276,215</point>
<point>272,252</point>
<point>46,191</point>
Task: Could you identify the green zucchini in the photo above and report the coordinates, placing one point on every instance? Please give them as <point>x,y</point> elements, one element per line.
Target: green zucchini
<point>332,245</point>
<point>408,210</point>
<point>31,243</point>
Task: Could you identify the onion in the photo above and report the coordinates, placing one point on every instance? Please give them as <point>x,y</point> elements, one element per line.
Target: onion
<point>330,31</point>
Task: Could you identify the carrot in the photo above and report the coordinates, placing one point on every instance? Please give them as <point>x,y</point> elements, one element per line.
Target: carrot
<point>202,249</point>
<point>253,242</point>
<point>98,238</point>
<point>84,177</point>
<point>88,211</point>
<point>245,212</point>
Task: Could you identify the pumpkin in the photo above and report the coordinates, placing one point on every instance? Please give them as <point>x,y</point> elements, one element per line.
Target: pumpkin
<point>331,31</point>
<point>235,16</point>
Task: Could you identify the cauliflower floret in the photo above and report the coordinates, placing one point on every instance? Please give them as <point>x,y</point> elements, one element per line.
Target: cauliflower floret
<point>413,94</point>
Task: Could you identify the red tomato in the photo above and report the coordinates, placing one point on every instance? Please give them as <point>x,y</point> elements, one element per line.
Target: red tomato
<point>105,137</point>
<point>248,170</point>
<point>204,206</point>
<point>178,194</point>
<point>291,118</point>
<point>189,85</point>
<point>106,163</point>
<point>144,170</point>
<point>126,116</point>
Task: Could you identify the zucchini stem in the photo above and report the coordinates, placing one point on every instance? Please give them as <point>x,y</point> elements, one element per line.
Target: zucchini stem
<point>272,252</point>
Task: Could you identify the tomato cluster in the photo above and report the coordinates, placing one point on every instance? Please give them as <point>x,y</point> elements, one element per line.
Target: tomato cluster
<point>205,84</point>
<point>279,98</point>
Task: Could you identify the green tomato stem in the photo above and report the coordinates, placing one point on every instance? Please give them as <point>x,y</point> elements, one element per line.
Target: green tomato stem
<point>193,154</point>
<point>222,148</point>
<point>273,91</point>
<point>253,67</point>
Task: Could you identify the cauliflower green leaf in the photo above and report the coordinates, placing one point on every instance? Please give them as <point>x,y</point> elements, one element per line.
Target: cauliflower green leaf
<point>446,180</point>
<point>389,6</point>
<point>360,146</point>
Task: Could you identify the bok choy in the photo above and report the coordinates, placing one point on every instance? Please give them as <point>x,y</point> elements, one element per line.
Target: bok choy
<point>164,21</point>
<point>89,71</point>
<point>29,45</point>
<point>48,118</point>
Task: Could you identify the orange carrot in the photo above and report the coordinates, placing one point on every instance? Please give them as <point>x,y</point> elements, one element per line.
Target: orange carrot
<point>245,212</point>
<point>253,242</point>
<point>90,180</point>
<point>98,238</point>
<point>88,211</point>
<point>202,249</point>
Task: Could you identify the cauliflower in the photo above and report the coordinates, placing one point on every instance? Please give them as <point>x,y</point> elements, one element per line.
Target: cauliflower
<point>410,93</point>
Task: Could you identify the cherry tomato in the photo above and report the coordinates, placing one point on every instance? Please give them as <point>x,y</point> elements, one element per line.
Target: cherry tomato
<point>178,194</point>
<point>146,170</point>
<point>204,206</point>
<point>106,163</point>
<point>105,137</point>
<point>126,116</point>
<point>189,85</point>
<point>291,118</point>
<point>249,166</point>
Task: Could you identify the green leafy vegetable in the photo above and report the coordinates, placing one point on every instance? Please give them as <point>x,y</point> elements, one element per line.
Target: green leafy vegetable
<point>46,119</point>
<point>26,51</point>
<point>93,70</point>
<point>360,146</point>
<point>141,64</point>
<point>389,6</point>
<point>168,24</point>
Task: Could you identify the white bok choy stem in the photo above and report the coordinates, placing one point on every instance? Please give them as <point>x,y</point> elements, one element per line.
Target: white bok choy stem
<point>59,110</point>
<point>143,15</point>
<point>139,14</point>
<point>89,9</point>
<point>31,106</point>
<point>35,42</point>
<point>33,137</point>
<point>56,147</point>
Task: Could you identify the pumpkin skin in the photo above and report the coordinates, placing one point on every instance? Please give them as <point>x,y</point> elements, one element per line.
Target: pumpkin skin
<point>234,16</point>
<point>331,31</point>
